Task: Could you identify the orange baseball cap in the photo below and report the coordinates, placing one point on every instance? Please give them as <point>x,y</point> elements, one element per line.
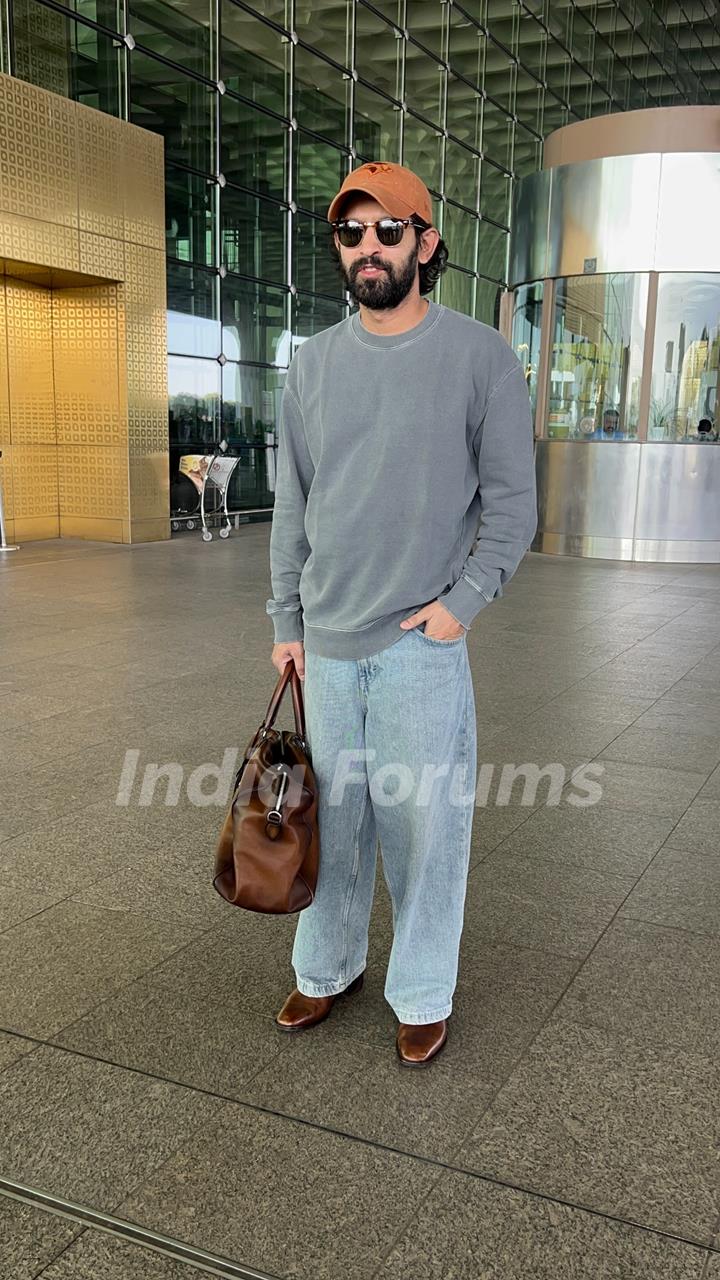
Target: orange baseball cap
<point>398,189</point>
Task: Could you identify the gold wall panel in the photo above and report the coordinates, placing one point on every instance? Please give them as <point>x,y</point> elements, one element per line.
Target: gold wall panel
<point>30,364</point>
<point>38,153</point>
<point>83,364</point>
<point>85,355</point>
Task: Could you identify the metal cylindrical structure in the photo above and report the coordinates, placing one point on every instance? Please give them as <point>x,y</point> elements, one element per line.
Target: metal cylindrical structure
<point>615,273</point>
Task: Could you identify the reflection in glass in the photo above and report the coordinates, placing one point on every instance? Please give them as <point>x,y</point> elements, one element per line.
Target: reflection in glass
<point>314,268</point>
<point>460,231</point>
<point>422,150</point>
<point>456,290</point>
<point>165,29</point>
<point>66,57</point>
<point>495,189</point>
<point>462,174</point>
<point>253,235</point>
<point>464,112</point>
<point>377,126</point>
<point>596,362</point>
<point>525,339</point>
<point>492,250</point>
<point>325,24</point>
<point>378,52</point>
<point>254,325</point>
<point>322,96</point>
<point>318,172</point>
<point>466,47</point>
<point>181,109</point>
<point>311,315</point>
<point>487,301</point>
<point>251,402</point>
<point>497,134</point>
<point>253,59</point>
<point>194,388</point>
<point>189,213</point>
<point>192,299</point>
<point>424,83</point>
<point>426,23</point>
<point>684,388</point>
<point>253,148</point>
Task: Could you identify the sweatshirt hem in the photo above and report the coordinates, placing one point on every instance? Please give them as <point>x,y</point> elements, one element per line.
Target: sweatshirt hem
<point>348,645</point>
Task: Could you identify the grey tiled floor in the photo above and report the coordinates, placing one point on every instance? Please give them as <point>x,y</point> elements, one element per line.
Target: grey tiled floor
<point>569,1129</point>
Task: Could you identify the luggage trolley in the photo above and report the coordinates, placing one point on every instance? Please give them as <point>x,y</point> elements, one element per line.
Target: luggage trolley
<point>212,470</point>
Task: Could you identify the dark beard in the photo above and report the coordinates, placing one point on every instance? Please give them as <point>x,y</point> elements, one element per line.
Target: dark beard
<point>382,292</point>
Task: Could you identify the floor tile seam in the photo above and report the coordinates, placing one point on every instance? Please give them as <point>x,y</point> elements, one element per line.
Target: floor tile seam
<point>245,1105</point>
<point>645,1039</point>
<point>124,1229</point>
<point>672,928</point>
<point>111,995</point>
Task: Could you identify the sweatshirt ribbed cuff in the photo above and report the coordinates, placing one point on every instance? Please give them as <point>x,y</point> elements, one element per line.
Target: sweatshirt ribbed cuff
<point>464,601</point>
<point>288,626</point>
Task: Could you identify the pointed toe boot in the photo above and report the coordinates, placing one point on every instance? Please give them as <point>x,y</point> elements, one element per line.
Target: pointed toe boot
<point>418,1045</point>
<point>300,1012</point>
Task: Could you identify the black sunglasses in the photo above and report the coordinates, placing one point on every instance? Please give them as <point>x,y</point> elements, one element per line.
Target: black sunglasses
<point>389,231</point>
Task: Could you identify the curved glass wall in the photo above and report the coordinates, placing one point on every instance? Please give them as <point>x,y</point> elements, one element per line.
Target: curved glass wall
<point>684,384</point>
<point>602,383</point>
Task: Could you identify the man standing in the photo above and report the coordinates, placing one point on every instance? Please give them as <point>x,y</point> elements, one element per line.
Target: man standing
<point>405,498</point>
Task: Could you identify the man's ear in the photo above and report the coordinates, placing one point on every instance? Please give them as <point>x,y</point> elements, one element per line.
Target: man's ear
<point>429,240</point>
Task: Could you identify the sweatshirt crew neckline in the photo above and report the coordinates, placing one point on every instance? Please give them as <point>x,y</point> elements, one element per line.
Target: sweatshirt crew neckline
<point>429,320</point>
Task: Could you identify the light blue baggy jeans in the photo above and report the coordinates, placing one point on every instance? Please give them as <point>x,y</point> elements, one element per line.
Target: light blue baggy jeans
<point>392,740</point>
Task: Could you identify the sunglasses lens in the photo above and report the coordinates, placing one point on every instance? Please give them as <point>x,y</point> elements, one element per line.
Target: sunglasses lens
<point>388,231</point>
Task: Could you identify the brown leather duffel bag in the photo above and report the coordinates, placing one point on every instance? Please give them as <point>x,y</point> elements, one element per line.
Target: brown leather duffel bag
<point>268,854</point>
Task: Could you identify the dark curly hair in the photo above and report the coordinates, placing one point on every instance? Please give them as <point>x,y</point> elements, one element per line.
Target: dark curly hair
<point>430,272</point>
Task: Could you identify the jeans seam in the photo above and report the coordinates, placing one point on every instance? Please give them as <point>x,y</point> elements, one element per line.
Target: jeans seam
<point>353,884</point>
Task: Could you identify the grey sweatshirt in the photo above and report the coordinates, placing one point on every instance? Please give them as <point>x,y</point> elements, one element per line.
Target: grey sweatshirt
<point>404,475</point>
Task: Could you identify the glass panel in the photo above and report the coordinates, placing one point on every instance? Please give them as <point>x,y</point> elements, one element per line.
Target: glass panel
<point>462,174</point>
<point>424,83</point>
<point>251,399</point>
<point>377,126</point>
<point>314,269</point>
<point>182,110</point>
<point>253,236</point>
<point>275,10</point>
<point>464,112</point>
<point>194,388</point>
<point>495,189</point>
<point>253,151</point>
<point>107,13</point>
<point>557,70</point>
<point>326,25</point>
<point>61,55</point>
<point>189,202</point>
<point>499,80</point>
<point>466,47</point>
<point>596,361</point>
<point>312,315</point>
<point>492,250</point>
<point>532,46</point>
<point>253,318</point>
<point>501,17</point>
<point>318,172</point>
<point>425,22</point>
<point>460,235</point>
<point>486,301</point>
<point>193,322</point>
<point>377,52</point>
<point>526,324</point>
<point>528,100</point>
<point>322,97</point>
<point>253,59</point>
<point>555,114</point>
<point>457,291</point>
<point>497,135</point>
<point>527,152</point>
<point>165,29</point>
<point>422,151</point>
<point>684,387</point>
<point>253,480</point>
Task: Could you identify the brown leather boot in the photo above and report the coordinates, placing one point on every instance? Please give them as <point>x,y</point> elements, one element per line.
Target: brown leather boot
<point>299,1011</point>
<point>418,1044</point>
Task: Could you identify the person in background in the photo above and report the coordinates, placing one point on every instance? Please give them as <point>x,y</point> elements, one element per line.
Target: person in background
<point>706,433</point>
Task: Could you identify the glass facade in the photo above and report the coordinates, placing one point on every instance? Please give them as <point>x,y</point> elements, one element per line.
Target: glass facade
<point>265,106</point>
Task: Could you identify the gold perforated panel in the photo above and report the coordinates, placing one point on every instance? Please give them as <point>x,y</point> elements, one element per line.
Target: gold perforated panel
<point>85,356</point>
<point>30,365</point>
<point>83,367</point>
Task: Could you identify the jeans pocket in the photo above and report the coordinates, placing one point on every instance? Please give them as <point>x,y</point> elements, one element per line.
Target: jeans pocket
<point>442,644</point>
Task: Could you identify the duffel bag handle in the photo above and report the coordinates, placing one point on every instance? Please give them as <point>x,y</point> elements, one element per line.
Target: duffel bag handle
<point>289,676</point>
